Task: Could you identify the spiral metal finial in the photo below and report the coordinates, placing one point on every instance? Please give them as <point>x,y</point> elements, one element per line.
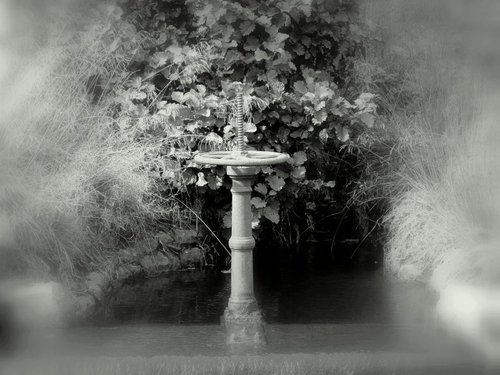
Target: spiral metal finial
<point>240,134</point>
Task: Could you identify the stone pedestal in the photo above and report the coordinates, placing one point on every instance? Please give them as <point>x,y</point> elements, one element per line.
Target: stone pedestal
<point>242,318</point>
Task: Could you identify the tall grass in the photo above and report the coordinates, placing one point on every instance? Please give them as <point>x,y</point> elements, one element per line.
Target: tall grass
<point>72,188</point>
<point>443,203</point>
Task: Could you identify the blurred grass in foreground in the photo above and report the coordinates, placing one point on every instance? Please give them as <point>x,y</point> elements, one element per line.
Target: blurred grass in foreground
<point>304,364</point>
<point>72,188</point>
<point>430,73</point>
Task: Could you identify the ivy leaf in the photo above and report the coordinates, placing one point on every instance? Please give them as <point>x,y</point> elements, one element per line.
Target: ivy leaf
<point>275,38</point>
<point>319,117</point>
<point>275,182</point>
<point>258,202</point>
<point>177,96</point>
<point>319,105</point>
<point>252,43</point>
<point>306,41</point>
<point>202,89</point>
<point>282,134</point>
<point>342,132</point>
<point>296,7</point>
<point>201,180</point>
<point>191,98</point>
<point>159,59</point>
<point>261,55</point>
<point>171,76</point>
<point>203,112</point>
<point>272,214</point>
<point>267,170</point>
<point>255,221</point>
<point>311,206</point>
<point>323,136</point>
<point>162,38</point>
<point>299,158</point>
<point>214,181</point>
<point>176,54</point>
<point>227,220</point>
<point>299,172</point>
<point>249,127</point>
<point>261,188</point>
<point>300,87</point>
<point>246,28</point>
<point>365,102</point>
<point>136,94</point>
<point>213,139</point>
<point>211,13</point>
<point>192,126</point>
<point>299,49</point>
<point>232,56</point>
<point>315,184</point>
<point>277,90</point>
<point>212,101</point>
<point>264,21</point>
<point>282,174</point>
<point>219,171</point>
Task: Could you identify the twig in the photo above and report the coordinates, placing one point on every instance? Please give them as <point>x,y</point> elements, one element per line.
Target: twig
<point>205,224</point>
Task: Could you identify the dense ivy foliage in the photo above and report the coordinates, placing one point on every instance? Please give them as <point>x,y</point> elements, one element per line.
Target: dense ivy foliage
<point>294,58</point>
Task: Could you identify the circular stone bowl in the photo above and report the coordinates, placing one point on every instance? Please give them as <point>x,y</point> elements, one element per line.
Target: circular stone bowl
<point>241,158</point>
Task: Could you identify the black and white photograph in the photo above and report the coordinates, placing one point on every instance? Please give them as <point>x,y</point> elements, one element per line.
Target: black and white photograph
<point>254,187</point>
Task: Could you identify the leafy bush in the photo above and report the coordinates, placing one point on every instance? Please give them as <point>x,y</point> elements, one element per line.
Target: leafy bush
<point>294,59</point>
<point>124,94</point>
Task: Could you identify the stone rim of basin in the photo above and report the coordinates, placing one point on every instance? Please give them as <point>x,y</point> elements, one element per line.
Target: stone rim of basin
<point>241,158</point>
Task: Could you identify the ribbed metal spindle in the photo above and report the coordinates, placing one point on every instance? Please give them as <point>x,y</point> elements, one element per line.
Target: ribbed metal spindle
<point>240,134</point>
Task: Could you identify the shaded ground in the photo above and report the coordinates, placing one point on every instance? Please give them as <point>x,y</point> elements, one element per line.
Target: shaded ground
<point>160,339</point>
<point>291,349</point>
<point>270,364</point>
<point>117,353</point>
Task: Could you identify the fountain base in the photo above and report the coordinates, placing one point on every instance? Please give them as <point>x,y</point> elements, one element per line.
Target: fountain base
<point>244,325</point>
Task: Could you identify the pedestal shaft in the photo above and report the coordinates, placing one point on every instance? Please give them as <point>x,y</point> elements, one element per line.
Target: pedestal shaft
<point>242,242</point>
<point>242,317</point>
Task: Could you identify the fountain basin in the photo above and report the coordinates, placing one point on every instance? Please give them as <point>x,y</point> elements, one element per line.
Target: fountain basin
<point>241,158</point>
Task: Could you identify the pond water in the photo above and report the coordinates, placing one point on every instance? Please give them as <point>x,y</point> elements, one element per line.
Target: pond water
<point>306,311</point>
<point>286,296</point>
<point>308,307</point>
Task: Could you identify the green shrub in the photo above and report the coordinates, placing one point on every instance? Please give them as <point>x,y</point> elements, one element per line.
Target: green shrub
<point>295,61</point>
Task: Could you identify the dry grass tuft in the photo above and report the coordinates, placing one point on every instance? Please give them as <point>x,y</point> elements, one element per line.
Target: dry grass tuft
<point>444,198</point>
<point>71,187</point>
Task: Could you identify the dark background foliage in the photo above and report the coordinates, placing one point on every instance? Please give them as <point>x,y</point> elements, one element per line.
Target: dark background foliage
<point>295,60</point>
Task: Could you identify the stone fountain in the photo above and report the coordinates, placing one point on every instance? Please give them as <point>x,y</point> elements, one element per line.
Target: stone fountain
<point>242,317</point>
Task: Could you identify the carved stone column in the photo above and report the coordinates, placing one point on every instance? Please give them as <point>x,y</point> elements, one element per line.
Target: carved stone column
<point>242,318</point>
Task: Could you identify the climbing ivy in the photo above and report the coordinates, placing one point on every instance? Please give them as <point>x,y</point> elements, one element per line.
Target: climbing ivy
<point>294,58</point>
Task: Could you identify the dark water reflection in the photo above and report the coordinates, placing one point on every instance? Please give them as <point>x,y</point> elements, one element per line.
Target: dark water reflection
<point>286,295</point>
<point>309,307</point>
<point>187,297</point>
